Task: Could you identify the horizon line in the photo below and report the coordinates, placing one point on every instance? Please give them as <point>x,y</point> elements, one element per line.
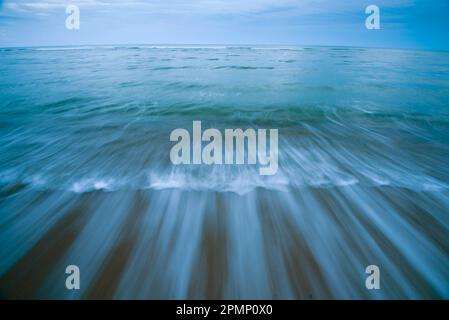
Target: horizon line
<point>224,44</point>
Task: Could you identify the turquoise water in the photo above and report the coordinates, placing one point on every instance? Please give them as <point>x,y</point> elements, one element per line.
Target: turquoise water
<point>363,175</point>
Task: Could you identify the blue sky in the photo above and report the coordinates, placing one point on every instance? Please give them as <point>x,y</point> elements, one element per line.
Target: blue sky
<point>422,24</point>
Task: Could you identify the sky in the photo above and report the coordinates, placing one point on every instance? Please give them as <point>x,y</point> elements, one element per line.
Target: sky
<point>416,24</point>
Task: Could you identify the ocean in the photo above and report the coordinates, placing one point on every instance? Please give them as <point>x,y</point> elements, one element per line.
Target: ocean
<point>86,177</point>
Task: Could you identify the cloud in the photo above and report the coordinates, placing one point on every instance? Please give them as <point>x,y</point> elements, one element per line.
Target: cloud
<point>37,5</point>
<point>302,7</point>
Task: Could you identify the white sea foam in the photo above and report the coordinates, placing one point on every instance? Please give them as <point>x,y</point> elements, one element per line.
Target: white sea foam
<point>86,185</point>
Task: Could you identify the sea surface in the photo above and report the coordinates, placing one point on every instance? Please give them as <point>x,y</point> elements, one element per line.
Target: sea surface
<point>86,178</point>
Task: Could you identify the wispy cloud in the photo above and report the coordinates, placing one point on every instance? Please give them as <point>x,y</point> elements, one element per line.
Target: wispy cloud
<point>209,6</point>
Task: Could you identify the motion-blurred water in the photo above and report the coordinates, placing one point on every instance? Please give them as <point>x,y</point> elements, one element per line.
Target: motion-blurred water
<point>86,179</point>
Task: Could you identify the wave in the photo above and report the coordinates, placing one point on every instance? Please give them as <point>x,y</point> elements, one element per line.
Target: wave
<point>319,147</point>
<point>308,158</point>
<point>243,68</point>
<point>165,47</point>
<point>66,48</point>
<point>166,68</point>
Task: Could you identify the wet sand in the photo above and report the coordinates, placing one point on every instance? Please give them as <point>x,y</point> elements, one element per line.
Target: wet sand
<point>307,243</point>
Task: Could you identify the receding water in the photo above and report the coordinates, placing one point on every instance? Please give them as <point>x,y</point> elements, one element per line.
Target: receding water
<point>86,178</point>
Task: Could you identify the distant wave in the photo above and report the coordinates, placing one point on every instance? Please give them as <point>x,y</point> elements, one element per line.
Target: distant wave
<point>243,68</point>
<point>164,47</point>
<point>66,48</point>
<point>171,68</point>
